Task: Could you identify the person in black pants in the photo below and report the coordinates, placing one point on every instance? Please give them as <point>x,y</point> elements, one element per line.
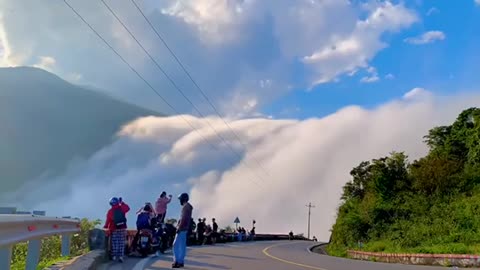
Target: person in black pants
<point>200,231</point>
<point>214,231</point>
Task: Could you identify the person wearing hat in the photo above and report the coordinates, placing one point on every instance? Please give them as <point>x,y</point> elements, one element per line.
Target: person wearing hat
<point>116,224</point>
<point>180,243</point>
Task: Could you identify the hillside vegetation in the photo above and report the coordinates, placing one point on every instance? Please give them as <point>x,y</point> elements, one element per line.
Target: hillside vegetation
<point>431,205</point>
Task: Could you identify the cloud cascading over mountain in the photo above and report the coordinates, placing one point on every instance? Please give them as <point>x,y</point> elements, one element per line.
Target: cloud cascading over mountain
<point>305,160</point>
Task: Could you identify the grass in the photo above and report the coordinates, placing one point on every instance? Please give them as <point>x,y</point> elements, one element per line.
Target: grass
<point>390,247</point>
<point>20,265</point>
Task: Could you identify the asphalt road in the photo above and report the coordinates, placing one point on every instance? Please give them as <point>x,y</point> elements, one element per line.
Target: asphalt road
<point>259,256</point>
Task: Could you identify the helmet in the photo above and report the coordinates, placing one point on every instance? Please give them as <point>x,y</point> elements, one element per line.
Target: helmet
<point>114,201</point>
<point>183,197</point>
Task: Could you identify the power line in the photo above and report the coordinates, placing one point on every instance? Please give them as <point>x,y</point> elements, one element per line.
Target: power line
<point>144,80</point>
<point>174,84</point>
<point>195,83</point>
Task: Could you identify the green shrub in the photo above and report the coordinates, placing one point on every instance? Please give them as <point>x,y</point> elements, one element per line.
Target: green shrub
<point>50,251</point>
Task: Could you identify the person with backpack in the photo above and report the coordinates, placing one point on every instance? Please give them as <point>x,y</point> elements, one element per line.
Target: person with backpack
<point>192,239</point>
<point>116,224</point>
<point>180,243</point>
<point>161,206</point>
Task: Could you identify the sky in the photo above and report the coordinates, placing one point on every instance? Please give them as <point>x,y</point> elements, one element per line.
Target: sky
<point>311,88</point>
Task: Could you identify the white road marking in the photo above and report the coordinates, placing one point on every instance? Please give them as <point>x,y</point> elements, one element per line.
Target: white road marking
<point>142,263</point>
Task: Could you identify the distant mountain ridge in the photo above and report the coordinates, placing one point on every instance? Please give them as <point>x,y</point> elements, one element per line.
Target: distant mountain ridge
<point>45,122</point>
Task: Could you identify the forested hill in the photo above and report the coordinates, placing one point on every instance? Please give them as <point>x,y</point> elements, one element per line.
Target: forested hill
<point>431,205</point>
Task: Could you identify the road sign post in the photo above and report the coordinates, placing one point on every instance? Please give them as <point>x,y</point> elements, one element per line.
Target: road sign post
<point>236,221</point>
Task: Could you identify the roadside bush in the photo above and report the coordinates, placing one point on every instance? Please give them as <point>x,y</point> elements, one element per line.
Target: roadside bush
<point>50,251</point>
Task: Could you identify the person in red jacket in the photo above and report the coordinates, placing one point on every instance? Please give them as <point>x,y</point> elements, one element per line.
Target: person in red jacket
<point>116,224</point>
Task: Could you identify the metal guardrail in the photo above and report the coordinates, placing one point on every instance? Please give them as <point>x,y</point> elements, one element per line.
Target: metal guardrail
<point>27,228</point>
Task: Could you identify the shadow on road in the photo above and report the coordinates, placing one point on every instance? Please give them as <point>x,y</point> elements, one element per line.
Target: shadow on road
<point>190,264</point>
<point>206,255</point>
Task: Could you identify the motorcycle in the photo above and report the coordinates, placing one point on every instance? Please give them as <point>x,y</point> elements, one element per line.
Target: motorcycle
<point>151,241</point>
<point>145,242</point>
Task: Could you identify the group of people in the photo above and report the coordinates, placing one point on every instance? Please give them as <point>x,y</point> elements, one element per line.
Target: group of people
<point>202,233</point>
<point>147,216</point>
<point>242,234</point>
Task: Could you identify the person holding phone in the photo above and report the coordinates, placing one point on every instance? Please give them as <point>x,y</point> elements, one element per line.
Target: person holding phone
<point>161,206</point>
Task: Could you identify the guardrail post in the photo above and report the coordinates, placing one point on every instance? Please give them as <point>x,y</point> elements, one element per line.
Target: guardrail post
<point>33,255</point>
<point>65,245</point>
<point>5,258</point>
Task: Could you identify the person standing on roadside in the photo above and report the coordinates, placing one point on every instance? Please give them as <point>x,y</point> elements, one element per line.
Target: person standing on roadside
<point>180,243</point>
<point>200,231</point>
<point>214,231</point>
<point>161,206</point>
<point>116,224</point>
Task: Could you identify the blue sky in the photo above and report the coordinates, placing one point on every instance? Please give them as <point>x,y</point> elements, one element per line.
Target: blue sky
<point>443,67</point>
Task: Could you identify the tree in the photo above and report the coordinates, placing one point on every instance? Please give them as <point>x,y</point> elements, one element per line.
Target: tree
<point>460,140</point>
<point>356,188</point>
<point>437,137</point>
<point>436,173</point>
<point>80,240</point>
<point>473,138</point>
<point>229,229</point>
<point>390,175</point>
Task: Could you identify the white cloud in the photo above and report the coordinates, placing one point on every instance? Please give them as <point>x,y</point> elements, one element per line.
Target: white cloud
<point>427,37</point>
<point>389,76</point>
<point>212,18</point>
<point>477,2</point>
<point>417,93</point>
<point>372,77</point>
<point>46,62</point>
<point>74,77</point>
<point>307,160</point>
<point>357,48</point>
<point>8,58</point>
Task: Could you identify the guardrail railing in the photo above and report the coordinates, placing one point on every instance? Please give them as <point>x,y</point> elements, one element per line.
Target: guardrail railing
<point>27,228</point>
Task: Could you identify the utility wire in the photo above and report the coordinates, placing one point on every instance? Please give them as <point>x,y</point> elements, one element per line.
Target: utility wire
<point>205,96</point>
<point>176,86</point>
<point>145,81</point>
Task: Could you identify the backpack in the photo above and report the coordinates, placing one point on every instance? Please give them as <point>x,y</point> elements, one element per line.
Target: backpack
<point>143,220</point>
<point>119,218</point>
<point>193,226</point>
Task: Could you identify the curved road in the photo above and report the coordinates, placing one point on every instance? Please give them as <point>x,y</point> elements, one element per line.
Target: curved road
<point>259,256</point>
